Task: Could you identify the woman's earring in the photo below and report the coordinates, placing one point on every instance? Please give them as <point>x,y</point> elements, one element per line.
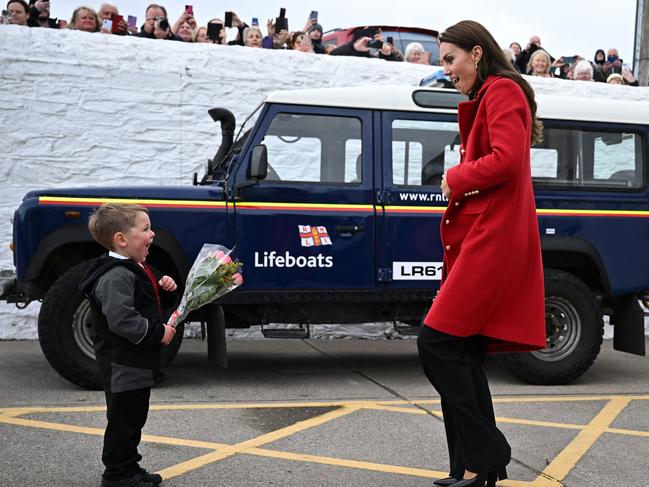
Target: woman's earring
<point>476,66</point>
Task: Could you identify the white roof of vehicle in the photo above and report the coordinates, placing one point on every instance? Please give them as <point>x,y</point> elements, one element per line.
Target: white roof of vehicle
<point>386,97</point>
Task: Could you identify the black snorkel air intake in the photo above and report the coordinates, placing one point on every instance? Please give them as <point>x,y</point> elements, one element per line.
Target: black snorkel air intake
<point>228,124</point>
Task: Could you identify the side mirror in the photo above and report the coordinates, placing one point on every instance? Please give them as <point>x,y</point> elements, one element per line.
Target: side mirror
<point>259,162</point>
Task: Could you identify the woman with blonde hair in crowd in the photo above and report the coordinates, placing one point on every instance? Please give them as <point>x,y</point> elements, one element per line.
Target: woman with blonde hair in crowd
<point>85,19</point>
<point>540,64</point>
<point>199,34</point>
<point>184,32</point>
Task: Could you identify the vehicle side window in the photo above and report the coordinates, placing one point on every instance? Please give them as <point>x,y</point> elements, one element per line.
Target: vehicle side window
<point>314,149</point>
<point>422,151</point>
<point>585,158</point>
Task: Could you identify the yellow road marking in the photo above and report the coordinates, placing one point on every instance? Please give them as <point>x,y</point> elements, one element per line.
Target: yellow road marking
<point>558,469</point>
<point>565,461</point>
<point>243,446</point>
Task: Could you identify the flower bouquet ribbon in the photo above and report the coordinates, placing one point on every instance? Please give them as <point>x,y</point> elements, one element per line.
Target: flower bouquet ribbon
<point>212,275</point>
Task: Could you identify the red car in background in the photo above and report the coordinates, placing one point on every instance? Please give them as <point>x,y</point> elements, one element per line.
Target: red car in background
<point>402,36</point>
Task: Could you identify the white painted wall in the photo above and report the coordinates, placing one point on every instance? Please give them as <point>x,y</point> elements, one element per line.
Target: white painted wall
<point>81,109</point>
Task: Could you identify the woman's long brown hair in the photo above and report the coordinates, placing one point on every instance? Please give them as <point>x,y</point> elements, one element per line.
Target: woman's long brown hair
<point>467,34</point>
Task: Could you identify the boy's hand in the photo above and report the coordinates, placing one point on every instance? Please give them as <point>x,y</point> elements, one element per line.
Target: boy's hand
<point>168,284</point>
<point>170,331</point>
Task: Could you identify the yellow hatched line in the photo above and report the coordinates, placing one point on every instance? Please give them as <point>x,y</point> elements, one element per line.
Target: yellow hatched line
<point>245,446</point>
<point>565,461</point>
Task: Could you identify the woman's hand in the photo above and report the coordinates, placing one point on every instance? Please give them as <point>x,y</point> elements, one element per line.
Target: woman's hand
<point>446,189</point>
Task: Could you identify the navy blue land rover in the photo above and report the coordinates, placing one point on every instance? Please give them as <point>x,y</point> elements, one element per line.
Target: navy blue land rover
<point>332,200</point>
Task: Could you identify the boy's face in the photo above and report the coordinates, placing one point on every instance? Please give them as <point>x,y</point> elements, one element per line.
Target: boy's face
<point>136,241</point>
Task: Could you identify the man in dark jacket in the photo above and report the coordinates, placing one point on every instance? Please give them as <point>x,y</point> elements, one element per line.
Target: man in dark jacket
<point>368,42</point>
<point>39,15</point>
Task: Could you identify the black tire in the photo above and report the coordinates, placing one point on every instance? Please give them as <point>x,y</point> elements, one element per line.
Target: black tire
<point>574,329</point>
<point>65,331</point>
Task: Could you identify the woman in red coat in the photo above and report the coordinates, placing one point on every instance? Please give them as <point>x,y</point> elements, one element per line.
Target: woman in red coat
<point>491,297</point>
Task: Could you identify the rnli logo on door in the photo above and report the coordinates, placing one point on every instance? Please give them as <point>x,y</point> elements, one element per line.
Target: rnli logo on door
<point>312,236</point>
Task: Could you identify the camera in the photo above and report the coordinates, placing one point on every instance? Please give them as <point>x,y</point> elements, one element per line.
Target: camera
<point>568,59</point>
<point>375,44</point>
<point>162,22</point>
<point>228,19</point>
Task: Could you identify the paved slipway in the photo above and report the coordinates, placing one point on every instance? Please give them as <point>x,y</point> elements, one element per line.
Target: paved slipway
<point>295,413</point>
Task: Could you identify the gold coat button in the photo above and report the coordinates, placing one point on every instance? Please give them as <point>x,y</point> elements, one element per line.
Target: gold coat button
<point>447,221</point>
<point>462,151</point>
<point>448,247</point>
<point>457,203</point>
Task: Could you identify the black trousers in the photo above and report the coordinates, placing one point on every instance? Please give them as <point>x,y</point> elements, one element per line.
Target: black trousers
<point>126,414</point>
<point>454,366</point>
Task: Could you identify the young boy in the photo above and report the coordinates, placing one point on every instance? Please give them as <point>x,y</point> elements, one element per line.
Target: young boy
<point>130,331</point>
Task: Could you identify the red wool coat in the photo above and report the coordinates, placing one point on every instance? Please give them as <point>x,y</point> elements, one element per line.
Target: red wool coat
<point>492,283</point>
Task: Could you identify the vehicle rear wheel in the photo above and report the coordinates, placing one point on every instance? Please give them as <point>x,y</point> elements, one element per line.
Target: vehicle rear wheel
<point>574,330</point>
<point>66,331</point>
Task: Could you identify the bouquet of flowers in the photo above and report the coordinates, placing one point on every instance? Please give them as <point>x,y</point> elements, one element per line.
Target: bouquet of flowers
<point>212,275</point>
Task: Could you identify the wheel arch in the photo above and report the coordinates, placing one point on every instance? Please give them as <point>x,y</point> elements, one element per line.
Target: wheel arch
<point>71,245</point>
<point>577,257</point>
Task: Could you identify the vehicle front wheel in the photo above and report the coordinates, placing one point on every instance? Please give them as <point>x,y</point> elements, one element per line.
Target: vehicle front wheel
<point>66,331</point>
<point>574,330</point>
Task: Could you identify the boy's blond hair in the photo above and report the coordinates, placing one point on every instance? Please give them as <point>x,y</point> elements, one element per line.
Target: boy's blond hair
<point>111,218</point>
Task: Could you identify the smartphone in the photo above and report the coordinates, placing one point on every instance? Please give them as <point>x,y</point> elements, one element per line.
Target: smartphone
<point>568,59</point>
<point>116,20</point>
<point>228,19</point>
<point>132,21</point>
<point>313,15</point>
<point>189,9</point>
<point>375,44</point>
<point>267,42</point>
<point>282,12</point>
<point>62,23</point>
<point>390,40</point>
<point>255,22</point>
<point>213,31</point>
<point>107,25</point>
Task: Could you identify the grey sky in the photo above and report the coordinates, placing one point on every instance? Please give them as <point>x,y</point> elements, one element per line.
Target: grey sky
<point>565,27</point>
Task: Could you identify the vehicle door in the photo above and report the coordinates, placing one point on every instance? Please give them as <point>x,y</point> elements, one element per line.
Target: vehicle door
<point>310,223</point>
<point>418,149</point>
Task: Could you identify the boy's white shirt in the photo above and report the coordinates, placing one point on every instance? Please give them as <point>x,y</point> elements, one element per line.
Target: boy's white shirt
<point>120,256</point>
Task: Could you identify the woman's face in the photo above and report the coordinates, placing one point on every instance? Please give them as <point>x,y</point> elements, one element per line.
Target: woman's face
<point>540,65</point>
<point>516,48</point>
<point>86,21</point>
<point>253,39</point>
<point>599,56</point>
<point>460,65</point>
<point>185,32</point>
<point>17,13</point>
<point>202,35</point>
<point>415,56</point>
<point>298,43</point>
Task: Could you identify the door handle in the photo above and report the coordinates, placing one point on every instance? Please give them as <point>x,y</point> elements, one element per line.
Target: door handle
<point>349,229</point>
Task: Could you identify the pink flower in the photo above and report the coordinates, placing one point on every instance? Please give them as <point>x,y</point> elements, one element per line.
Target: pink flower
<point>222,257</point>
<point>237,278</point>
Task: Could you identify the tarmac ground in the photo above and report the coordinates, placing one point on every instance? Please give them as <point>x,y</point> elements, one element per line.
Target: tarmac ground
<point>321,413</point>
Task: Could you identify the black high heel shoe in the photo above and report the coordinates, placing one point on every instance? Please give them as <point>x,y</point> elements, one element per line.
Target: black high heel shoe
<point>482,479</point>
<point>446,482</point>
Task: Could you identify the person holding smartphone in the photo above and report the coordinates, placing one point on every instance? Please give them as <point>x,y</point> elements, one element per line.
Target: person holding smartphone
<point>368,42</point>
<point>110,12</point>
<point>315,33</point>
<point>39,15</point>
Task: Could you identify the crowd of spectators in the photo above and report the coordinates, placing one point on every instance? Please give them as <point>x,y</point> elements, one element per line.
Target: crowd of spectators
<point>534,60</point>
